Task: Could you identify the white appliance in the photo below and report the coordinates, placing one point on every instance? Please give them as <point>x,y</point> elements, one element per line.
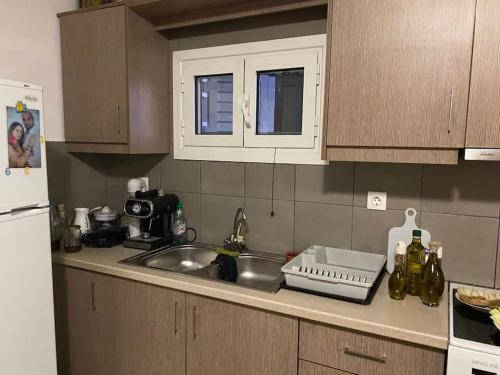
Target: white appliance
<point>473,345</point>
<point>27,333</point>
<point>133,185</point>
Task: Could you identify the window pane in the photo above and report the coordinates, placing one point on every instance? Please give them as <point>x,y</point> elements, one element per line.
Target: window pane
<point>214,104</point>
<point>279,97</point>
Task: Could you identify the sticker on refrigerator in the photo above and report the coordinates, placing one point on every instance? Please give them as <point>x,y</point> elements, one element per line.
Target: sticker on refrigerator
<point>23,137</point>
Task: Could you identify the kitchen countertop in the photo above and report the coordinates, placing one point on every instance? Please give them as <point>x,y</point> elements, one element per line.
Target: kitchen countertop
<point>408,320</point>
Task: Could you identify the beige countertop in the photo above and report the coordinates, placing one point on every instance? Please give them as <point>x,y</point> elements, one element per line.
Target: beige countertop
<point>407,320</point>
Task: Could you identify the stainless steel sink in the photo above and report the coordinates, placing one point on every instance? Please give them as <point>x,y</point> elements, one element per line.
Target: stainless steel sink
<point>182,258</point>
<point>255,270</point>
<point>259,272</point>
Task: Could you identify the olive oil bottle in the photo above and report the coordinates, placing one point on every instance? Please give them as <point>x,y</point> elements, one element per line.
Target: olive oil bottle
<point>414,264</point>
<point>397,281</point>
<point>432,281</point>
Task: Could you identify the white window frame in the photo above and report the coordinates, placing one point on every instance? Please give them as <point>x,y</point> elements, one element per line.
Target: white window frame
<point>244,145</point>
<point>306,59</point>
<point>212,66</point>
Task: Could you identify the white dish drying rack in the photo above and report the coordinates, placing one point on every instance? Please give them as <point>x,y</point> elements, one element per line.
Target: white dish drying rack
<point>337,272</point>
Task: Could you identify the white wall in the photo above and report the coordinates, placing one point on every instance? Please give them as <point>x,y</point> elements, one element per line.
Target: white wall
<point>30,52</point>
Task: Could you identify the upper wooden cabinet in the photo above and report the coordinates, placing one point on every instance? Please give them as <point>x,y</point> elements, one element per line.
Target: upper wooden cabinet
<point>483,126</point>
<point>115,82</point>
<point>399,79</point>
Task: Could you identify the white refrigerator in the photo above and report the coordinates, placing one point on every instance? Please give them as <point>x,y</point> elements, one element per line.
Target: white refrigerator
<point>27,333</point>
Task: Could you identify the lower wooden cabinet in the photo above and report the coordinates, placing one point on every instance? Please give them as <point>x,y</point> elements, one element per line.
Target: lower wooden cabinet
<point>148,327</point>
<point>106,325</point>
<point>79,350</point>
<point>364,354</point>
<point>308,368</point>
<point>226,339</point>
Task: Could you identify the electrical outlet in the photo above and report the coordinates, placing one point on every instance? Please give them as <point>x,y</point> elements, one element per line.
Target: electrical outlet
<point>376,200</point>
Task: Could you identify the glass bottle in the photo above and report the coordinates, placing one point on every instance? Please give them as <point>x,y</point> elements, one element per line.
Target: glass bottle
<point>63,224</point>
<point>179,225</point>
<point>397,281</point>
<point>439,252</point>
<point>55,234</point>
<point>414,264</point>
<point>432,281</point>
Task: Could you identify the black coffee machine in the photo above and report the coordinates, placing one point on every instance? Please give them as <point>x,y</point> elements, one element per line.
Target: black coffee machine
<point>155,212</point>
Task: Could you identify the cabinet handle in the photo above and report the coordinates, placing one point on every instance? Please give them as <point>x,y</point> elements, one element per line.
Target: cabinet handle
<point>118,119</point>
<point>381,359</point>
<point>450,112</point>
<point>175,318</point>
<point>195,334</point>
<point>92,293</point>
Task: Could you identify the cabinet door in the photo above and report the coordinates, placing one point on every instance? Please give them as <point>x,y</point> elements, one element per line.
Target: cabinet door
<point>94,76</point>
<point>147,324</point>
<point>364,354</point>
<point>106,325</point>
<point>308,368</point>
<point>82,348</point>
<point>399,73</point>
<point>224,339</point>
<point>483,126</point>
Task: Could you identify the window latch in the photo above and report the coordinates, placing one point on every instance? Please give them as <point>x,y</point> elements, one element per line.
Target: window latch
<point>245,110</point>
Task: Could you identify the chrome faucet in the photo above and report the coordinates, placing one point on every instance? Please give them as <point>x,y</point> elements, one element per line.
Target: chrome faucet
<point>236,241</point>
<point>240,227</point>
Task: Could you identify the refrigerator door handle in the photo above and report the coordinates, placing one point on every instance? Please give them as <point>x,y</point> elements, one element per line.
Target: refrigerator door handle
<point>19,214</point>
<point>18,210</point>
<point>24,206</point>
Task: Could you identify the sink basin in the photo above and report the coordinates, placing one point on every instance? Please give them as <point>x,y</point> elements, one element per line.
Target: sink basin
<point>259,272</point>
<point>182,258</point>
<point>255,270</point>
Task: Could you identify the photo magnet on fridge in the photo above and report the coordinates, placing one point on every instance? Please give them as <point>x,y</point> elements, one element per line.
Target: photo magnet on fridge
<point>23,137</point>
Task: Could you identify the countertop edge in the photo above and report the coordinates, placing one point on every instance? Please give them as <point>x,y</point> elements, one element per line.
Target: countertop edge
<point>211,289</point>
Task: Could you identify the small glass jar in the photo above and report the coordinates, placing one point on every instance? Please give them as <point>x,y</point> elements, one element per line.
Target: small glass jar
<point>72,239</point>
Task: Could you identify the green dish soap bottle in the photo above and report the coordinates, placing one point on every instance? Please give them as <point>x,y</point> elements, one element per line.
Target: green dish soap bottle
<point>432,281</point>
<point>397,281</point>
<point>414,263</point>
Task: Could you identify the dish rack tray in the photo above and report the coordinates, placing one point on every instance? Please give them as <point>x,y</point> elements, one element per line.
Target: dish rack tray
<point>336,272</point>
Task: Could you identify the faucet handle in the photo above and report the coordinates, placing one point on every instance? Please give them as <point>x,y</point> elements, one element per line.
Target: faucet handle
<point>237,234</point>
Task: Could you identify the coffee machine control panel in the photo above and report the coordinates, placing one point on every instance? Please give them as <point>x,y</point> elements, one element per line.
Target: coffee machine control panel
<point>140,208</point>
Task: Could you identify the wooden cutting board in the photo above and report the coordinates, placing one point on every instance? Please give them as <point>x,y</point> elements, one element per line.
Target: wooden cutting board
<point>404,233</point>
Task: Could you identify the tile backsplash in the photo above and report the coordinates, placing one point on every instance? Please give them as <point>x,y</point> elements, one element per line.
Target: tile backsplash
<point>459,205</point>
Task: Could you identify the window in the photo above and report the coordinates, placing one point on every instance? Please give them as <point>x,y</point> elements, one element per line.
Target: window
<point>255,102</point>
<point>214,104</point>
<point>279,101</point>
